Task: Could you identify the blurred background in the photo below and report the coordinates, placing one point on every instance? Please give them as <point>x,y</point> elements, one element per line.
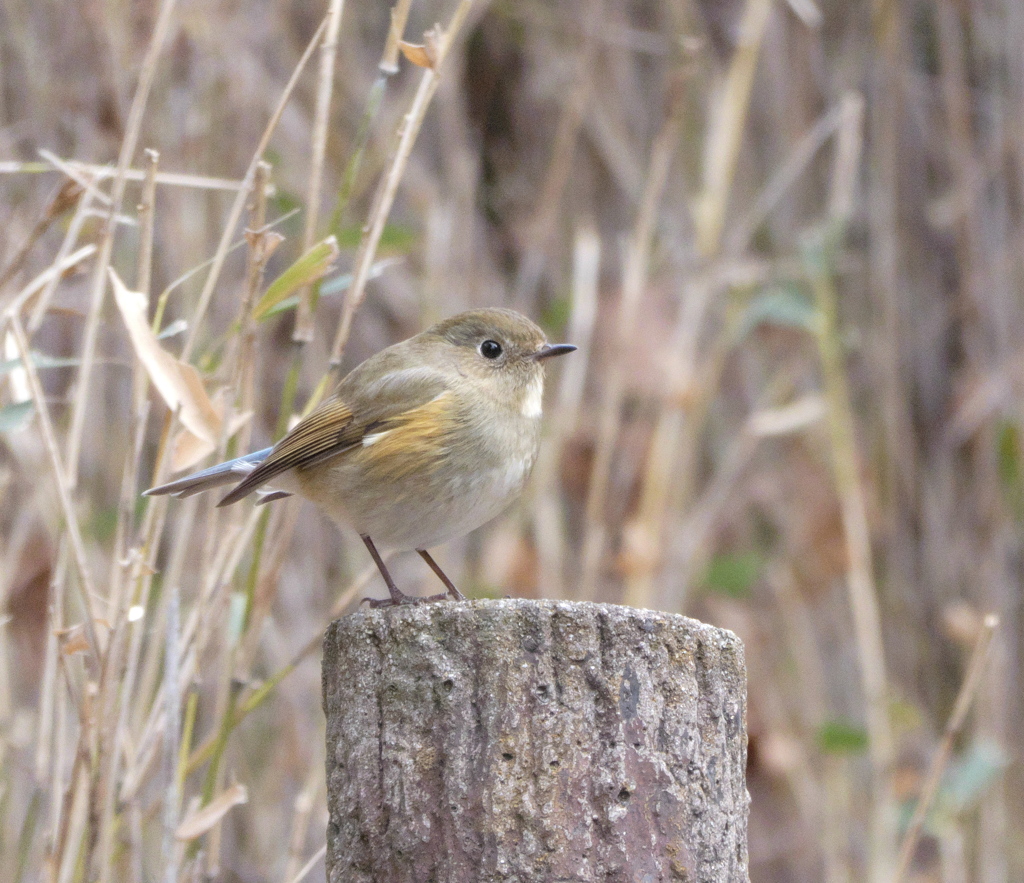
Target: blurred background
<point>787,238</point>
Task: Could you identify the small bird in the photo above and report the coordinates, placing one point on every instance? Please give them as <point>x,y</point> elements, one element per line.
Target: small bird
<point>421,443</point>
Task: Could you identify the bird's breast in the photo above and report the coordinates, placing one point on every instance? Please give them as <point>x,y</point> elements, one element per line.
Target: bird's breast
<point>420,484</point>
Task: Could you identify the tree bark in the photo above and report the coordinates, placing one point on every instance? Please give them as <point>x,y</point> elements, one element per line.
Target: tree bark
<point>524,742</point>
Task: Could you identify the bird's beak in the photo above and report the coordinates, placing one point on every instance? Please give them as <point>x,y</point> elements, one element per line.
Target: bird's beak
<point>553,349</point>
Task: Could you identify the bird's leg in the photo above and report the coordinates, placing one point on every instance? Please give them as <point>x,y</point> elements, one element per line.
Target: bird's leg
<point>454,592</point>
<point>397,596</point>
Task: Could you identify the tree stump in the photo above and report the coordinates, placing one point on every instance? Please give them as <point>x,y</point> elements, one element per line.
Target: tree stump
<point>534,741</point>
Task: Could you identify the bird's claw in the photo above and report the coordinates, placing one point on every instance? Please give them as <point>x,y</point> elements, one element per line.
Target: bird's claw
<point>400,600</point>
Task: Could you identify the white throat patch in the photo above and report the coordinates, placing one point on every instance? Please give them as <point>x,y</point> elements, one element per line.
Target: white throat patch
<point>534,398</point>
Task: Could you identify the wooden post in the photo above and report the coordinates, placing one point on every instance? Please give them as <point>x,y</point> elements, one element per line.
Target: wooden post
<point>527,742</point>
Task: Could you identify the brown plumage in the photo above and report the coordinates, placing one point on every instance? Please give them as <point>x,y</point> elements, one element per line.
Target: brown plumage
<point>424,441</point>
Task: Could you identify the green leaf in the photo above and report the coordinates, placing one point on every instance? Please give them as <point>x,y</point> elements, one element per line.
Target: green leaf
<point>374,99</point>
<point>313,265</point>
<point>236,616</point>
<point>733,574</point>
<point>41,361</point>
<point>842,737</point>
<point>14,417</point>
<point>393,238</point>
<point>175,328</point>
<point>337,285</point>
<point>1011,466</point>
<point>819,248</point>
<point>1009,453</point>
<point>556,314</point>
<point>102,526</point>
<point>784,305</point>
<point>970,776</point>
<point>287,207</point>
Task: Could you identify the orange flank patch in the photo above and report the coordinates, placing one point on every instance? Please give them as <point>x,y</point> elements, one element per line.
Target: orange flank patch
<point>412,442</point>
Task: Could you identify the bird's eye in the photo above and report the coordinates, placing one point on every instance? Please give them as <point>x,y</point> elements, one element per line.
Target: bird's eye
<point>490,349</point>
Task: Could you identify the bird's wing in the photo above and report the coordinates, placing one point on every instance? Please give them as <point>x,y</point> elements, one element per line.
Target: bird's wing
<point>340,423</point>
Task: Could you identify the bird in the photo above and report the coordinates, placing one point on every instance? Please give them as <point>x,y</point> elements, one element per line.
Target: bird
<point>423,442</point>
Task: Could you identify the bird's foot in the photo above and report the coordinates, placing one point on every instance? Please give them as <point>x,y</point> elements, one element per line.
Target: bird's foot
<point>400,599</point>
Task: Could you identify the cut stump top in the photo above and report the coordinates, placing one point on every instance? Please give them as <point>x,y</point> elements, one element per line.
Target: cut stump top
<point>534,741</point>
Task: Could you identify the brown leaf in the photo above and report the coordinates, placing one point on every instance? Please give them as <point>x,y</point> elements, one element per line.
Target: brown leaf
<point>75,644</point>
<point>178,383</point>
<point>202,820</point>
<point>188,449</point>
<point>72,639</point>
<point>264,242</point>
<point>420,55</point>
<point>787,419</point>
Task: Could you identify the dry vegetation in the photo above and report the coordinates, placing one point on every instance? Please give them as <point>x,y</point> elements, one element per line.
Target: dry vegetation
<point>786,237</point>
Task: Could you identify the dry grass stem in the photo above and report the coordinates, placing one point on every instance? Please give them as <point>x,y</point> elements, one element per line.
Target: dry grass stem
<point>849,149</point>
<point>87,591</point>
<point>940,760</point>
<point>51,274</point>
<point>738,238</point>
<point>549,203</point>
<point>860,576</point>
<point>633,283</point>
<point>243,371</point>
<point>66,197</point>
<point>388,187</point>
<point>98,284</point>
<point>303,332</point>
<point>399,16</point>
<point>783,237</point>
<point>305,801</point>
<point>86,174</point>
<point>550,524</point>
<point>235,214</point>
<point>84,178</point>
<point>721,151</point>
<point>725,132</point>
<point>312,863</point>
<point>147,218</point>
<point>71,237</point>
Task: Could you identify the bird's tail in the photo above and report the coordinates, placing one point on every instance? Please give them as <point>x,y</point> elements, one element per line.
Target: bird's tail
<point>223,473</point>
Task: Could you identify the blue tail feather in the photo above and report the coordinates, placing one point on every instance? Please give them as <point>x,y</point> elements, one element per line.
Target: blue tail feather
<point>223,473</point>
